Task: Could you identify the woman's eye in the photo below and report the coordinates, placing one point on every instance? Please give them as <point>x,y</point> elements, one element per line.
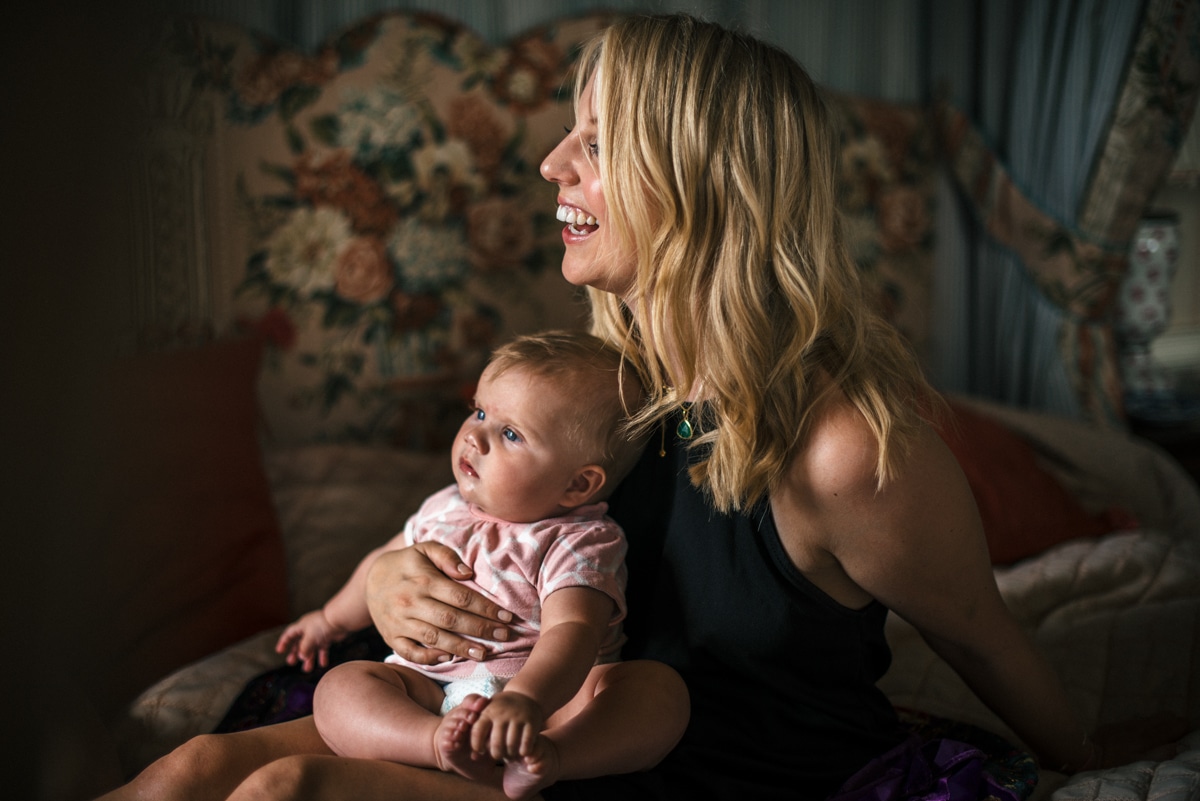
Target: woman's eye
<point>510,435</point>
<point>594,148</point>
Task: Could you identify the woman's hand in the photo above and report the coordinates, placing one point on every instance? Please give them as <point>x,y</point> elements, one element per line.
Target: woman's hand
<point>422,610</point>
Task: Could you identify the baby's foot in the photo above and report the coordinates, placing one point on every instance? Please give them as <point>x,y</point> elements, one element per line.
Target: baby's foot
<point>452,742</point>
<point>534,772</point>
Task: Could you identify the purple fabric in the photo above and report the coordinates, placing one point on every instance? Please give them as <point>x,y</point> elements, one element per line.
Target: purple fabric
<point>925,770</point>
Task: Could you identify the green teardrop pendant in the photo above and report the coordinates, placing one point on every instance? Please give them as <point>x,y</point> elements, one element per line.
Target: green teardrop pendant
<point>684,430</point>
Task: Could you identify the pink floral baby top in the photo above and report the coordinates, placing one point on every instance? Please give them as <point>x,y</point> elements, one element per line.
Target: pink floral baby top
<point>518,565</point>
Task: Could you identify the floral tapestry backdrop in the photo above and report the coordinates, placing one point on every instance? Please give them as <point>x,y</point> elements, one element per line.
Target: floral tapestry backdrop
<point>381,222</point>
<point>393,223</point>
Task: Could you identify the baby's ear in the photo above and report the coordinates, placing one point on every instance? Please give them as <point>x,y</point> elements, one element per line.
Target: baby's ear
<point>585,486</point>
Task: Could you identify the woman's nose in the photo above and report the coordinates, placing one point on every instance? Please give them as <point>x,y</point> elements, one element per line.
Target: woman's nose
<point>556,167</point>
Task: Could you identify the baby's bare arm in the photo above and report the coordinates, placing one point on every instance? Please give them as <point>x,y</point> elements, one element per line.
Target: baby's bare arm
<point>574,621</point>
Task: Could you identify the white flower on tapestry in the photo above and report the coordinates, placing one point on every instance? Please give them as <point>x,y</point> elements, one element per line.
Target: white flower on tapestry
<point>369,123</point>
<point>303,252</point>
<point>448,164</point>
<point>428,257</point>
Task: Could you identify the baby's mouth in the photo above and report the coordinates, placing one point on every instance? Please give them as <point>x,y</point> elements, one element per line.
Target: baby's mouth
<point>466,468</point>
<point>577,221</point>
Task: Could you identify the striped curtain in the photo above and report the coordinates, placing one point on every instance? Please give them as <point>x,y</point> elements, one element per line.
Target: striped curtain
<point>1058,129</point>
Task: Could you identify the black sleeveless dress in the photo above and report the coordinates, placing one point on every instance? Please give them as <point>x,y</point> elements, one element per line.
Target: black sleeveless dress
<point>782,678</point>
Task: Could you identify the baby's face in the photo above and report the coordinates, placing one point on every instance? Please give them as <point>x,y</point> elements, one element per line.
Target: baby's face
<point>511,458</point>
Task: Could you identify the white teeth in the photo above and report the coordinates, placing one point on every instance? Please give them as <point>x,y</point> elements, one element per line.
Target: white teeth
<point>572,216</point>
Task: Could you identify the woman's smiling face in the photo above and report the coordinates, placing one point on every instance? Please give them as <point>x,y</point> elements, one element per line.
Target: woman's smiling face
<point>594,256</point>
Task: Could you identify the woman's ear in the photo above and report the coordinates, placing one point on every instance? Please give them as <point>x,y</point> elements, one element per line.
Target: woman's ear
<point>585,485</point>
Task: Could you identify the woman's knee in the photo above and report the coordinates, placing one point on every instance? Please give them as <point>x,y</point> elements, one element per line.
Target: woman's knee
<point>287,779</point>
<point>194,763</point>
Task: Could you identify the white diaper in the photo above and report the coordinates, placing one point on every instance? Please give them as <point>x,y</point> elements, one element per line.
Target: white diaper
<point>458,689</point>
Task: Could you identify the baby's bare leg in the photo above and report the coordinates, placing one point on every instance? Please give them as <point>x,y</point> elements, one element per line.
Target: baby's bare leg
<point>372,710</point>
<point>625,718</point>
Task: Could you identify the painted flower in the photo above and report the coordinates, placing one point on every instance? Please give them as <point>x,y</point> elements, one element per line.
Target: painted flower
<point>864,168</point>
<point>370,122</point>
<point>428,257</point>
<point>903,217</point>
<point>363,273</point>
<point>301,254</point>
<point>500,233</point>
<point>332,179</point>
<point>263,80</point>
<point>449,161</point>
<point>414,312</point>
<point>473,119</point>
<point>446,178</point>
<point>531,76</point>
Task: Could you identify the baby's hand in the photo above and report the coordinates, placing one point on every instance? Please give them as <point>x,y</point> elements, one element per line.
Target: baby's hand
<point>508,726</point>
<point>307,640</point>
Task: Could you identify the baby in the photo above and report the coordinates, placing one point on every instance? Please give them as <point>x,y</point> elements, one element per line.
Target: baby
<point>533,463</point>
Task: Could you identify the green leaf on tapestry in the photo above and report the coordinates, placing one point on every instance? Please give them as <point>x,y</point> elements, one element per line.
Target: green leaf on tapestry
<point>325,129</point>
<point>437,128</point>
<point>284,174</point>
<point>294,99</point>
<point>335,386</point>
<point>338,313</point>
<point>395,165</point>
<point>378,329</point>
<point>294,139</point>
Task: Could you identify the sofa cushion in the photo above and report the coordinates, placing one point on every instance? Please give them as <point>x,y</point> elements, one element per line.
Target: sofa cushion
<point>193,559</point>
<point>1025,510</point>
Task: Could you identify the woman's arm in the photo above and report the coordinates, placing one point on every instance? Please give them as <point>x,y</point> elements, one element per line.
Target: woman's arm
<point>918,547</point>
<point>424,613</point>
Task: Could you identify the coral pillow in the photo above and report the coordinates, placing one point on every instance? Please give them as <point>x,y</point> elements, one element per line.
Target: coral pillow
<point>194,558</point>
<point>1025,509</point>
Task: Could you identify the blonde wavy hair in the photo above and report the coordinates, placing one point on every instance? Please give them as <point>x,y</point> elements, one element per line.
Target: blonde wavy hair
<point>717,158</point>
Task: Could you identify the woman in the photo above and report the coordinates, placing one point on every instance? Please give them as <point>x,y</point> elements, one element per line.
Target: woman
<point>698,188</point>
<point>792,493</point>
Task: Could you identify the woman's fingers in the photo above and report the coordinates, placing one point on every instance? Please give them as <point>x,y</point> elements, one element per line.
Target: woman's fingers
<point>423,614</point>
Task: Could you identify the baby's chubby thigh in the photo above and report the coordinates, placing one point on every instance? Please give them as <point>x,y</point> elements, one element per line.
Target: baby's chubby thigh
<point>364,681</point>
<point>372,710</point>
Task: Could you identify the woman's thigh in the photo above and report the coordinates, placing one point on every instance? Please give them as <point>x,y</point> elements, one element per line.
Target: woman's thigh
<point>330,778</point>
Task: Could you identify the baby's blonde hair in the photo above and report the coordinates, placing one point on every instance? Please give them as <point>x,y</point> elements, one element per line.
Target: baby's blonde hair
<point>717,158</point>
<point>606,394</point>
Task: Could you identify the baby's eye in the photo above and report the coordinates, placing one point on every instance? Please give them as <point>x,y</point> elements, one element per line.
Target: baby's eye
<point>479,415</point>
<point>510,435</point>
